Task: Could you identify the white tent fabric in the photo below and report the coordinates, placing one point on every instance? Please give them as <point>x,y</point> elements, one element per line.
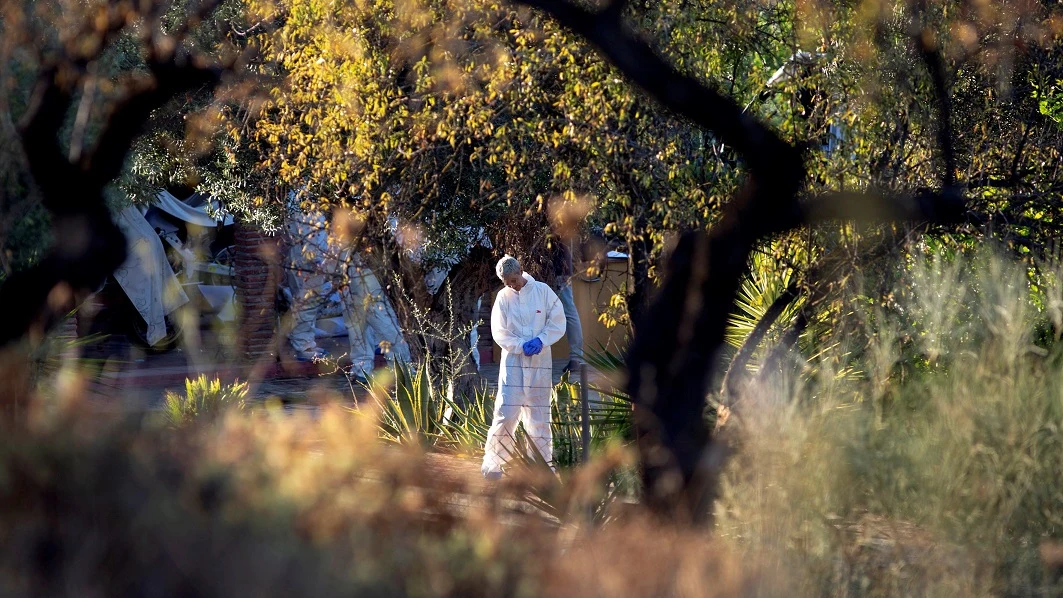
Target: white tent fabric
<point>220,300</point>
<point>146,276</point>
<point>192,210</point>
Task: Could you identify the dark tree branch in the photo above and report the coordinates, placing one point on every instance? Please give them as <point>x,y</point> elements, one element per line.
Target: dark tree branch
<point>129,115</point>
<point>614,11</point>
<point>948,206</point>
<point>1013,178</point>
<point>48,106</point>
<point>786,343</point>
<point>930,53</point>
<point>763,150</point>
<point>677,342</point>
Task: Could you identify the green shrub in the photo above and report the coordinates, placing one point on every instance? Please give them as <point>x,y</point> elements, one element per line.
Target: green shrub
<point>204,400</point>
<point>414,408</point>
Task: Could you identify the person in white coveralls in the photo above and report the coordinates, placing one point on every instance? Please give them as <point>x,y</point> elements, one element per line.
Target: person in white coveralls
<point>318,266</point>
<point>527,317</point>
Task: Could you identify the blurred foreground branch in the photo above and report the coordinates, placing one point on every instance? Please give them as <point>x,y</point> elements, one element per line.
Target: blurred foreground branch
<point>72,185</point>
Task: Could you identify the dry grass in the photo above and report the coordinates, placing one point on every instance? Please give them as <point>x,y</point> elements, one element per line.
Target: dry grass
<point>937,474</point>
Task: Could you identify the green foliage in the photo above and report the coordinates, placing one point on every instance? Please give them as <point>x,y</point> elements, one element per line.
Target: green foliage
<point>204,401</point>
<point>412,408</point>
<point>605,360</point>
<point>190,143</point>
<point>767,280</point>
<point>1050,101</point>
<point>454,117</point>
<point>609,421</point>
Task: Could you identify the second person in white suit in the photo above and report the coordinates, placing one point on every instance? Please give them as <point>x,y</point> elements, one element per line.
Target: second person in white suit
<point>527,317</point>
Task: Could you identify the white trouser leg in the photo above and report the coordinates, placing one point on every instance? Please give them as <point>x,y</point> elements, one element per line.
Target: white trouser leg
<point>306,305</point>
<point>364,306</point>
<point>301,338</point>
<point>354,317</point>
<point>537,425</point>
<point>501,438</point>
<point>384,321</point>
<point>374,310</point>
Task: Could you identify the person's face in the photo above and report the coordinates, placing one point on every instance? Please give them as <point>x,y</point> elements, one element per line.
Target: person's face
<point>514,281</point>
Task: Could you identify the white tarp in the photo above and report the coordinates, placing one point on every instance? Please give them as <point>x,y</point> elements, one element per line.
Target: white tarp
<point>220,300</point>
<point>191,210</point>
<point>146,276</point>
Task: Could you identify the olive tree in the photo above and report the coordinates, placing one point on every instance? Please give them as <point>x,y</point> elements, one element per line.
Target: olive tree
<point>447,133</point>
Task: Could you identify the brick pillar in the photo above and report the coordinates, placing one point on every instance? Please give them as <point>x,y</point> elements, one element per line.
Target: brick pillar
<point>256,267</point>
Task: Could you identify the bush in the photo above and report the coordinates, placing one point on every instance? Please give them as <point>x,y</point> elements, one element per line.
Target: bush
<point>411,407</point>
<point>935,473</point>
<point>204,400</point>
<point>262,505</point>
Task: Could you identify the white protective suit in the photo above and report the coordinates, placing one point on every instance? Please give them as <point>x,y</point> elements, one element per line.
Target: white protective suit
<point>366,306</point>
<point>524,382</point>
<point>317,268</point>
<point>310,266</point>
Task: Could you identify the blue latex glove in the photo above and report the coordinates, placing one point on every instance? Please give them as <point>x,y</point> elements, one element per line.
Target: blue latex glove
<point>533,347</point>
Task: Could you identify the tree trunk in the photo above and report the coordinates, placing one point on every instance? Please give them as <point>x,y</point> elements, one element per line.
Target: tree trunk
<point>436,326</point>
<point>639,266</point>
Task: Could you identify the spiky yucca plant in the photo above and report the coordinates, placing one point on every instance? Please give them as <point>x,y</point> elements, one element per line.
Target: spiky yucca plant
<point>204,400</point>
<point>412,407</point>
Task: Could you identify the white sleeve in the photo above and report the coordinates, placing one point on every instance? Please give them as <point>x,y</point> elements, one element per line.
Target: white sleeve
<point>500,331</point>
<point>555,318</point>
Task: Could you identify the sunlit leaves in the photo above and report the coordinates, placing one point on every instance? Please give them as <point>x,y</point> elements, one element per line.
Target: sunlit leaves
<point>1050,101</point>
